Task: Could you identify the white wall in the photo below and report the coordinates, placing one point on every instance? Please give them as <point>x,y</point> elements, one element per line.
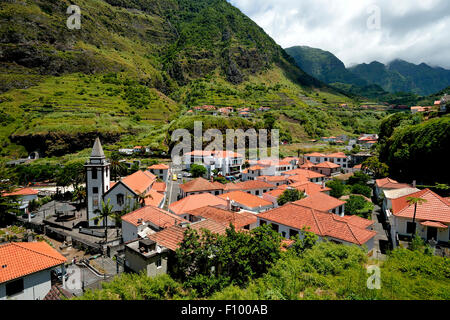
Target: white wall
<point>36,287</point>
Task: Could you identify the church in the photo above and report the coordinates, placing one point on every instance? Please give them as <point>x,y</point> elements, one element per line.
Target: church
<point>127,194</point>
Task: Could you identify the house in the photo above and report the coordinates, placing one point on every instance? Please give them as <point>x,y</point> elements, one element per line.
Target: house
<point>24,196</point>
<point>181,207</point>
<point>323,202</point>
<point>419,109</point>
<point>254,187</point>
<point>147,219</point>
<point>390,195</point>
<point>302,175</point>
<point>161,171</point>
<point>338,158</point>
<point>367,140</point>
<point>239,219</point>
<point>275,180</point>
<point>329,139</point>
<point>327,168</point>
<point>25,270</point>
<point>268,167</point>
<point>146,255</point>
<point>228,163</point>
<point>309,188</point>
<point>127,152</point>
<point>432,218</point>
<point>200,185</point>
<point>387,184</point>
<point>290,220</point>
<point>246,201</point>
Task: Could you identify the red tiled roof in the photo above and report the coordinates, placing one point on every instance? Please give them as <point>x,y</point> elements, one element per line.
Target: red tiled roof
<point>321,223</point>
<point>248,185</point>
<point>435,208</point>
<point>308,164</point>
<point>139,181</point>
<point>215,153</point>
<point>388,183</point>
<point>22,192</point>
<point>18,259</point>
<point>434,224</point>
<point>320,201</point>
<point>156,216</point>
<point>336,155</point>
<point>238,219</point>
<point>255,168</point>
<point>208,224</point>
<point>153,198</point>
<point>327,164</point>
<point>309,188</point>
<point>302,172</point>
<point>159,186</point>
<point>272,178</point>
<point>298,179</point>
<point>315,154</point>
<point>246,199</point>
<point>275,193</point>
<point>196,201</point>
<point>200,184</point>
<point>159,166</point>
<point>170,237</point>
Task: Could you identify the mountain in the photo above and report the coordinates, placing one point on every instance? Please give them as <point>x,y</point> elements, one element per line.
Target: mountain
<point>133,67</point>
<point>396,76</point>
<point>323,65</point>
<point>402,76</point>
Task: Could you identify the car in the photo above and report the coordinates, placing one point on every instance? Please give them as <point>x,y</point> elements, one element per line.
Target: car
<point>187,174</point>
<point>32,215</point>
<point>57,273</point>
<point>174,178</point>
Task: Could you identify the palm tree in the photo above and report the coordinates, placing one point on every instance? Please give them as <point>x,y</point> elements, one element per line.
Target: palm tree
<point>141,198</point>
<point>117,167</point>
<point>415,201</point>
<point>105,213</point>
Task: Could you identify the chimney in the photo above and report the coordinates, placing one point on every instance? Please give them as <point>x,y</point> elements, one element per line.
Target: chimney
<point>414,184</point>
<point>228,204</point>
<point>323,184</point>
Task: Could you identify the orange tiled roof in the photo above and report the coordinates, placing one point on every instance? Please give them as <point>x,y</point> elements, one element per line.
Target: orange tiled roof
<point>327,164</point>
<point>308,164</point>
<point>170,237</point>
<point>309,188</point>
<point>156,216</point>
<point>22,192</point>
<point>216,153</point>
<point>153,198</point>
<point>196,201</point>
<point>315,154</point>
<point>336,155</point>
<point>321,223</point>
<point>200,184</point>
<point>139,181</point>
<point>435,209</point>
<point>159,166</point>
<point>159,186</point>
<point>246,199</point>
<point>255,168</point>
<point>238,219</point>
<point>248,185</point>
<point>320,201</point>
<point>298,179</point>
<point>434,224</point>
<point>388,183</point>
<point>18,259</point>
<point>276,192</point>
<point>302,172</point>
<point>272,178</point>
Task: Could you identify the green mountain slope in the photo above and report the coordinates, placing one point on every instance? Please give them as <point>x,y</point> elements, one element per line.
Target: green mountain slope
<point>323,65</point>
<point>132,68</point>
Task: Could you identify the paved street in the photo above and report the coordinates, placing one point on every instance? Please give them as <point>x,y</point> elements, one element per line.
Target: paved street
<point>382,242</point>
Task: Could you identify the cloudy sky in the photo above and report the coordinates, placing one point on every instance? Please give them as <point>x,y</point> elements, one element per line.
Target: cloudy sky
<point>358,31</point>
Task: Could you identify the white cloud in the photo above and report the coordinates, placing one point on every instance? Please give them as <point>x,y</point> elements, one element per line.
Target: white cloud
<point>413,30</point>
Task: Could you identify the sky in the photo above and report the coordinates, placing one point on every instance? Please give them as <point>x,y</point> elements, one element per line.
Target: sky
<point>359,31</point>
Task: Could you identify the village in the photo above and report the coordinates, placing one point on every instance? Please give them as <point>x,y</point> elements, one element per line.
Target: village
<point>136,222</point>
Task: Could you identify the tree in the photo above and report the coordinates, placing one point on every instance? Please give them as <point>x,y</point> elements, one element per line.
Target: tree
<point>358,177</point>
<point>308,241</point>
<point>337,188</point>
<point>357,205</point>
<point>197,170</point>
<point>117,168</point>
<point>290,195</point>
<point>378,169</point>
<point>141,198</point>
<point>79,194</point>
<point>105,213</point>
<point>415,201</point>
<point>362,189</point>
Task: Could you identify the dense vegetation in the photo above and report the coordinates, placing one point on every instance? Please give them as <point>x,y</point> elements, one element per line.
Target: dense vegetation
<point>320,271</point>
<point>415,150</point>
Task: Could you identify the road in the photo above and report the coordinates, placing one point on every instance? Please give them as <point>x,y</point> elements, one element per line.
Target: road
<point>173,187</point>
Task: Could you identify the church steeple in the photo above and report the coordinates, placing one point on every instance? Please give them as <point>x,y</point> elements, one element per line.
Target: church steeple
<point>97,150</point>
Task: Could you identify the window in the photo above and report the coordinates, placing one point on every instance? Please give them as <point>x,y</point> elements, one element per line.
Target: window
<point>107,172</point>
<point>257,192</point>
<point>411,227</point>
<point>274,227</point>
<point>158,263</point>
<point>94,173</point>
<point>262,222</point>
<point>95,190</point>
<point>283,234</point>
<point>292,233</point>
<point>14,287</point>
<point>120,199</point>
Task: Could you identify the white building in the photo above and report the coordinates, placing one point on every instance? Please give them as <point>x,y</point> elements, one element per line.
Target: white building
<point>228,163</point>
<point>160,170</point>
<point>24,197</point>
<point>97,182</point>
<point>25,271</point>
